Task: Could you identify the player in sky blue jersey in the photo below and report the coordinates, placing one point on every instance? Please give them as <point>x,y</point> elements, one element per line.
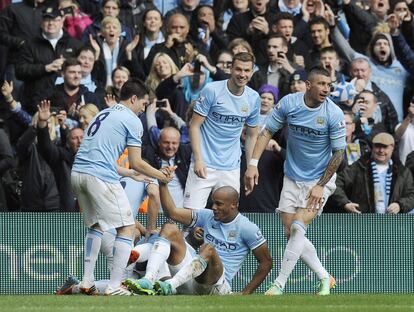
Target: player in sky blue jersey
<point>220,113</point>
<point>228,236</point>
<point>95,181</point>
<point>316,143</point>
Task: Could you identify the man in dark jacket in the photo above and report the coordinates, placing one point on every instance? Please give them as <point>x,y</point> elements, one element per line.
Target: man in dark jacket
<point>59,158</point>
<point>71,93</point>
<point>19,23</point>
<point>170,152</point>
<point>376,184</point>
<point>253,26</point>
<point>41,60</point>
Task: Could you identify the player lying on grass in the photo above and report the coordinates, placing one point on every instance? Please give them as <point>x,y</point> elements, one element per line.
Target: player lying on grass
<point>229,236</point>
<point>137,264</point>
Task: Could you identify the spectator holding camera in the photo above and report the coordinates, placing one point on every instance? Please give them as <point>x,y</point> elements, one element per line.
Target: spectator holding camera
<point>278,69</point>
<point>369,120</point>
<point>75,20</point>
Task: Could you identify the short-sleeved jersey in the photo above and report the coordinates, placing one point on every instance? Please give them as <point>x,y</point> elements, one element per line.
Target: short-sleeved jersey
<point>106,137</point>
<point>232,240</point>
<point>313,133</point>
<point>225,115</point>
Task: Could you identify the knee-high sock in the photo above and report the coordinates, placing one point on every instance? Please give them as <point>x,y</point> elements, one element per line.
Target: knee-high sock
<point>159,254</point>
<point>310,258</point>
<point>92,245</point>
<point>292,252</point>
<point>189,271</point>
<point>107,247</point>
<point>122,251</point>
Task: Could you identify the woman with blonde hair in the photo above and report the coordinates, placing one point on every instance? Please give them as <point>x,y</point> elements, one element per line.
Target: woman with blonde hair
<point>112,50</point>
<point>162,68</point>
<point>86,114</point>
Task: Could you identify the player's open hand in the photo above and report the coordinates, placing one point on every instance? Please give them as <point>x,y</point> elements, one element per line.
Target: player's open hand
<point>315,198</point>
<point>200,169</point>
<point>251,178</point>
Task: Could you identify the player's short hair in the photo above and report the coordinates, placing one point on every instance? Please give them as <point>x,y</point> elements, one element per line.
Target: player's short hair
<point>70,62</point>
<point>133,87</point>
<point>244,57</point>
<point>318,70</point>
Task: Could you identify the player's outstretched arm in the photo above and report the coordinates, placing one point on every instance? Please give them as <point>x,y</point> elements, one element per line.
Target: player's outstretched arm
<point>199,167</point>
<point>138,164</point>
<point>182,215</point>
<point>264,259</point>
<point>251,177</point>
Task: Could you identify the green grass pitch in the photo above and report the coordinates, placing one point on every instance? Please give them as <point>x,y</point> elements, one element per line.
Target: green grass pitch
<point>236,303</point>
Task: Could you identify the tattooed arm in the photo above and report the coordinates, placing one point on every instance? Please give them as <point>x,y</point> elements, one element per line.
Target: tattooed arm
<point>315,197</point>
<point>333,165</point>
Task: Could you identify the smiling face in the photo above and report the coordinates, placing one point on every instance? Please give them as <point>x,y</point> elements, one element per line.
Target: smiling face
<point>168,143</point>
<point>86,58</point>
<point>241,72</point>
<point>162,67</point>
<point>51,27</point>
<point>224,208</point>
<point>153,21</point>
<point>319,34</point>
<point>382,153</point>
<point>119,78</point>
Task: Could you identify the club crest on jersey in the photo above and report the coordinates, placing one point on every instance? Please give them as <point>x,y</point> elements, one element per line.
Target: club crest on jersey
<point>320,121</point>
<point>245,108</point>
<point>232,236</point>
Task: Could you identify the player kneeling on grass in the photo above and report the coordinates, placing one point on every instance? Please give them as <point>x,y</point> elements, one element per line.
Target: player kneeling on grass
<point>229,237</point>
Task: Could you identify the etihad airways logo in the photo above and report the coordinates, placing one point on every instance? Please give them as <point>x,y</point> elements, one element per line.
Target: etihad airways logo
<point>228,119</point>
<point>307,131</point>
<point>219,244</point>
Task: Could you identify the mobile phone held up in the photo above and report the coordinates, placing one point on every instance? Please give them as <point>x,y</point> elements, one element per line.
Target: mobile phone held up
<point>161,103</point>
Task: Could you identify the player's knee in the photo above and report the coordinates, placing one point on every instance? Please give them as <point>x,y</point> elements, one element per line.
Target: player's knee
<point>287,232</point>
<point>153,191</point>
<point>207,251</point>
<point>170,231</point>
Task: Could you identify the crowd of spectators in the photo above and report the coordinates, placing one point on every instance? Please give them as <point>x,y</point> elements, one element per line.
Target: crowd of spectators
<point>76,55</point>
